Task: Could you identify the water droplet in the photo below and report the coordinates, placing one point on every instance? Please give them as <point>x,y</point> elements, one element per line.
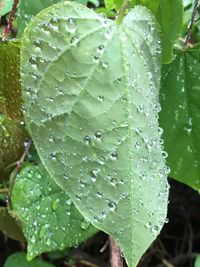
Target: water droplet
<point>112,205</point>
<point>114,155</point>
<point>100,49</point>
<point>105,64</point>
<point>74,40</point>
<point>71,25</point>
<point>53,156</point>
<point>96,59</point>
<point>87,140</point>
<point>101,98</point>
<point>98,135</point>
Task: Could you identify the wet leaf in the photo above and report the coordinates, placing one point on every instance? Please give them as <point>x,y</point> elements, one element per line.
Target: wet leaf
<point>10,226</point>
<point>12,138</point>
<point>98,114</point>
<point>170,18</point>
<point>28,9</point>
<point>10,87</point>
<point>50,221</point>
<point>180,94</point>
<point>19,260</point>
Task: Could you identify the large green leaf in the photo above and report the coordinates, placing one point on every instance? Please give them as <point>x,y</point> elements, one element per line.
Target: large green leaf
<point>180,117</point>
<point>90,89</point>
<point>10,88</point>
<point>19,260</point>
<point>50,221</point>
<point>170,18</point>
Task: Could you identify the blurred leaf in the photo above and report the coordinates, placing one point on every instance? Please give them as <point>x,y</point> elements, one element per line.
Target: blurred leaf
<point>180,116</point>
<point>170,18</point>
<point>9,225</point>
<point>19,260</point>
<point>12,138</point>
<point>197,261</point>
<point>108,13</point>
<point>50,221</point>
<point>110,4</point>
<point>10,87</point>
<point>5,6</point>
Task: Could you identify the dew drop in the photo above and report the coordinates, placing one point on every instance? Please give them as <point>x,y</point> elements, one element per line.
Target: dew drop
<point>114,155</point>
<point>71,25</point>
<point>74,40</point>
<point>112,205</point>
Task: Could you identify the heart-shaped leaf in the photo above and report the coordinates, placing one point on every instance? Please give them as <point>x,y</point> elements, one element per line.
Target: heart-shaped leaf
<point>90,89</point>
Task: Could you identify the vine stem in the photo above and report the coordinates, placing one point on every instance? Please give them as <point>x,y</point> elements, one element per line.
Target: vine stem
<point>122,11</point>
<point>10,22</point>
<point>115,254</point>
<point>188,37</point>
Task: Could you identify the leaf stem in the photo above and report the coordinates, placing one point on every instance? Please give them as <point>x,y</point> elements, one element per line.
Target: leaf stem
<point>188,37</point>
<point>115,254</point>
<point>122,11</point>
<point>10,22</point>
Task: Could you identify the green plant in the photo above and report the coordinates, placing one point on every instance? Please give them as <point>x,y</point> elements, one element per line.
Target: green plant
<point>92,89</point>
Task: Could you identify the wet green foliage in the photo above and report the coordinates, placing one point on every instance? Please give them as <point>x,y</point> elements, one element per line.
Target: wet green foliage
<point>79,97</point>
<point>49,219</point>
<point>91,101</point>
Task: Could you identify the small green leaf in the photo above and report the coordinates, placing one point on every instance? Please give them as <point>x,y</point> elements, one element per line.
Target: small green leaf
<point>10,226</point>
<point>10,87</point>
<point>93,116</point>
<point>197,261</point>
<point>19,260</point>
<point>50,221</point>
<point>180,94</point>
<point>109,4</point>
<point>170,18</point>
<point>5,6</point>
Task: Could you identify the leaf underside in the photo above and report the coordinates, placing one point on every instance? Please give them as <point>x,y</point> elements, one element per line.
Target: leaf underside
<point>91,92</point>
<point>50,220</point>
<point>180,93</point>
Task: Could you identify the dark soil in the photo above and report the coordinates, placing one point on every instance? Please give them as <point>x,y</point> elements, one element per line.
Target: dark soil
<point>177,245</point>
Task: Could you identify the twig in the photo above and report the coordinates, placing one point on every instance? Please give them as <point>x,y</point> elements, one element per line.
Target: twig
<point>10,22</point>
<point>104,247</point>
<point>122,11</point>
<point>188,37</point>
<point>19,163</point>
<point>167,264</point>
<point>115,254</point>
<point>87,263</point>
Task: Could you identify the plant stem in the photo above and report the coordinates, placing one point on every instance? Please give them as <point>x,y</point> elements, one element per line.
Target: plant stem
<point>115,254</point>
<point>122,11</point>
<point>188,37</point>
<point>10,22</point>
